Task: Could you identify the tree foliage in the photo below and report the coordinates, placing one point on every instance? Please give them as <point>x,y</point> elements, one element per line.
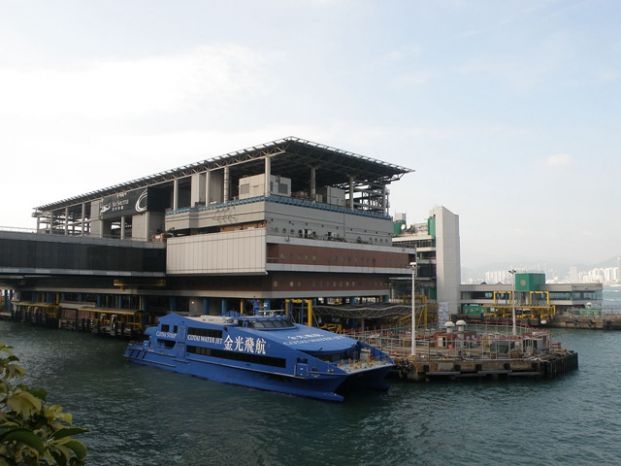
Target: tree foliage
<point>32,431</point>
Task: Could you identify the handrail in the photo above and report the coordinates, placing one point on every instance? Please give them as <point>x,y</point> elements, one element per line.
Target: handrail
<point>280,200</point>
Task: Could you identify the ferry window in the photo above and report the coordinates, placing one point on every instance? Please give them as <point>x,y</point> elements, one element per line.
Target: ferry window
<point>205,332</point>
<point>175,329</point>
<point>165,327</point>
<point>333,357</point>
<point>166,343</point>
<point>245,357</point>
<point>272,323</point>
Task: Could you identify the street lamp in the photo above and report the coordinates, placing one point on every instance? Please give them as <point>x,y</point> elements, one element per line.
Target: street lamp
<point>513,328</point>
<point>413,267</point>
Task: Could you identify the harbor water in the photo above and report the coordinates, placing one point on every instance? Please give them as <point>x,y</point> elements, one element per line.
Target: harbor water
<point>142,416</point>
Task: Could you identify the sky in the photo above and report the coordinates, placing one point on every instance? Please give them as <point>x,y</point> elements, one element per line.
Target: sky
<point>509,112</point>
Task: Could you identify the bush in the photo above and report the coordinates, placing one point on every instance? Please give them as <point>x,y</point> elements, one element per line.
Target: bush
<point>32,431</point>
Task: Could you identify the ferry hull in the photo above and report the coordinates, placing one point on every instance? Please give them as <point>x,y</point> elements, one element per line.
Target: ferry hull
<point>328,387</point>
<point>264,352</point>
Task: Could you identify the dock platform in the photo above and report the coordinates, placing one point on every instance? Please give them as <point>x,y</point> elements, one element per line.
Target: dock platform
<point>426,370</point>
<point>481,352</point>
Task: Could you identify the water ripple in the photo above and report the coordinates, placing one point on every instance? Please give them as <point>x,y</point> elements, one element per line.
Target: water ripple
<point>142,416</point>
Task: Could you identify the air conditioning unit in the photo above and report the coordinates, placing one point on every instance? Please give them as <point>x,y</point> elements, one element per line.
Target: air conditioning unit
<point>253,186</point>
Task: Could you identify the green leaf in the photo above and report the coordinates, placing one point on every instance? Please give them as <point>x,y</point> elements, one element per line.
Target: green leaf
<point>67,432</point>
<point>25,436</point>
<point>54,413</point>
<point>78,448</point>
<point>38,392</point>
<point>23,403</point>
<point>14,370</point>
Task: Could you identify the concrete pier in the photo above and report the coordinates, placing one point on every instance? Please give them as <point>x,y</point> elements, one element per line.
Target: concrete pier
<point>590,322</point>
<point>546,366</point>
<point>481,352</point>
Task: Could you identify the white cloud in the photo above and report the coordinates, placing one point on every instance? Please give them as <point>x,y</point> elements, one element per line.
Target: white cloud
<point>118,88</point>
<point>558,160</point>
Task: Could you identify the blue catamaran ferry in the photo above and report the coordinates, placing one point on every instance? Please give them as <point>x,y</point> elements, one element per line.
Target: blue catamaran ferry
<point>267,352</point>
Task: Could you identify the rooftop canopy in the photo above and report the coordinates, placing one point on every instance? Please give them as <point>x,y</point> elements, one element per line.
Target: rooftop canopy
<point>290,157</point>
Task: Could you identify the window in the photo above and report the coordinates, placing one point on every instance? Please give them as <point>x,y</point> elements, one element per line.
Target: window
<point>333,357</point>
<point>205,332</point>
<point>165,327</point>
<point>270,323</point>
<point>244,357</point>
<point>166,343</point>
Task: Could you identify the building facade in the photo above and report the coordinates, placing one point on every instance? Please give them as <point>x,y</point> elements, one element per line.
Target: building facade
<point>286,219</point>
<point>532,298</point>
<point>438,261</point>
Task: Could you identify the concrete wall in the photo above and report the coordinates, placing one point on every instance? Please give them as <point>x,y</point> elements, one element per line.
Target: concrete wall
<point>139,226</point>
<point>448,262</point>
<point>197,194</point>
<point>237,252</point>
<point>290,221</point>
<point>145,225</point>
<point>96,227</point>
<point>216,186</point>
<point>295,221</point>
<point>222,216</point>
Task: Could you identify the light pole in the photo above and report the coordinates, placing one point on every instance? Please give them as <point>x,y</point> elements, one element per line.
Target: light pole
<point>413,267</point>
<point>513,328</point>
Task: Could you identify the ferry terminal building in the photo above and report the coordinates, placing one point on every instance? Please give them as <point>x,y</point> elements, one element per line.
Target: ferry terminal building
<point>283,220</point>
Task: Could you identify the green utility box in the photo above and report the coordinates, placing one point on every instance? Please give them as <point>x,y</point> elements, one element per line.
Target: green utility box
<point>530,281</point>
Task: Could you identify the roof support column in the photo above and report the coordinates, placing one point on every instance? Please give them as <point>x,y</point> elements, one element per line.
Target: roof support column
<point>38,223</point>
<point>175,199</point>
<point>225,195</point>
<point>83,218</point>
<point>313,184</point>
<point>123,227</point>
<point>351,192</point>
<point>207,183</point>
<point>268,176</point>
<point>66,221</point>
<point>197,189</point>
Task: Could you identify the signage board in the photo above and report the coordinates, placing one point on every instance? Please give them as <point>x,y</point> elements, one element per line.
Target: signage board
<point>124,203</point>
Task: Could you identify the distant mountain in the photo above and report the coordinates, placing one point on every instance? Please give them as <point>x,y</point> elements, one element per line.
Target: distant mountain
<point>533,266</point>
<point>612,262</point>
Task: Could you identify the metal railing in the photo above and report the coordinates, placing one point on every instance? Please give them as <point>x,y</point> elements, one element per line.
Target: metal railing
<point>61,233</point>
<point>280,200</point>
<point>18,229</point>
<point>476,342</point>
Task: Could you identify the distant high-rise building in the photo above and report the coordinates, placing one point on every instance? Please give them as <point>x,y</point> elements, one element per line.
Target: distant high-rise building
<point>573,274</point>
